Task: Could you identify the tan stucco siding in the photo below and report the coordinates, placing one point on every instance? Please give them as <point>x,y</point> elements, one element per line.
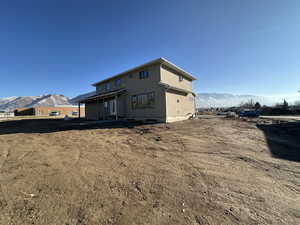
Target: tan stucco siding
<point>179,106</point>
<point>134,86</point>
<point>157,112</point>
<point>131,81</point>
<point>172,78</point>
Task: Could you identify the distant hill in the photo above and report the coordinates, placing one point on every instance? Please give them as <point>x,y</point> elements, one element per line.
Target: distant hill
<point>11,103</point>
<point>6,100</point>
<point>207,100</point>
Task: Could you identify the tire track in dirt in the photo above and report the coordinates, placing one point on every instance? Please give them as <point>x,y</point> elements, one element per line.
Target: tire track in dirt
<point>179,151</point>
<point>3,187</point>
<point>3,158</point>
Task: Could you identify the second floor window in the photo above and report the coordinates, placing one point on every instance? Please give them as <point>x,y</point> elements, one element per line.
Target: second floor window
<point>180,78</point>
<point>106,86</point>
<point>143,74</point>
<point>118,83</point>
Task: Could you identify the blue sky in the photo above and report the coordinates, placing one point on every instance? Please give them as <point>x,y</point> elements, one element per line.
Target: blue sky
<point>231,46</point>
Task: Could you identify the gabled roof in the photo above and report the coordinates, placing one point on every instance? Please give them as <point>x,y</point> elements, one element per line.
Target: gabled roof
<point>159,60</point>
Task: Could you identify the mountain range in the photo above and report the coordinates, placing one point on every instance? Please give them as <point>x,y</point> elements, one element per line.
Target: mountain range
<point>208,100</point>
<point>203,100</point>
<point>12,103</point>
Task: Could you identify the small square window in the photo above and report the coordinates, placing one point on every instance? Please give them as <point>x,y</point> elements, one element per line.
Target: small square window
<point>118,83</point>
<point>106,86</point>
<point>180,78</point>
<point>143,74</point>
<point>178,101</point>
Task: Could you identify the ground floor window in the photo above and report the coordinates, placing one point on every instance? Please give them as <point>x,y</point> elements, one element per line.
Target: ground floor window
<point>145,100</point>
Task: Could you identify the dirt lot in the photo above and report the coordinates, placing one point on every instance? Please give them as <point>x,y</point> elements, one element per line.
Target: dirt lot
<point>198,172</point>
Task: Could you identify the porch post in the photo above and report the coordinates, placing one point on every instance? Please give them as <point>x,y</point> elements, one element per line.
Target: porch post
<point>78,110</point>
<point>116,106</point>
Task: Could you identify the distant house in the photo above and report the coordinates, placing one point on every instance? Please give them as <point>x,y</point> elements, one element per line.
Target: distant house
<point>6,114</point>
<point>157,90</point>
<point>50,110</point>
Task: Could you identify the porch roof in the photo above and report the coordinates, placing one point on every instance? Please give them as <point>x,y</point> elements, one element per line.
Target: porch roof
<point>102,95</point>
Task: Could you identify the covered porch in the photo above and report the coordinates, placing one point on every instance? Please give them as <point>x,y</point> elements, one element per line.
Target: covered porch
<point>105,106</point>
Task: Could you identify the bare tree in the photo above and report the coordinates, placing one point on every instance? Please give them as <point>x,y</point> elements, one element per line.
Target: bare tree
<point>257,105</point>
<point>285,104</point>
<point>249,105</point>
<point>297,104</point>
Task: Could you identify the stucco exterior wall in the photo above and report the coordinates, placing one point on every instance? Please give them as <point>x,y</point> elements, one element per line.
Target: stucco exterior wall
<point>179,106</point>
<point>134,86</point>
<point>171,77</point>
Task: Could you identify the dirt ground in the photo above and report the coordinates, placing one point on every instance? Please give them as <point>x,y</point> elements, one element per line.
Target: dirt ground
<point>197,172</point>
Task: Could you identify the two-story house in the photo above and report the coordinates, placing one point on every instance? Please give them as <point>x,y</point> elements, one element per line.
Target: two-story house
<point>157,90</point>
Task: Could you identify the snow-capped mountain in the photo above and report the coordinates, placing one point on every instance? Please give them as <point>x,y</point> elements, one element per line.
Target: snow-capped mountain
<point>11,103</point>
<point>6,100</point>
<point>208,100</point>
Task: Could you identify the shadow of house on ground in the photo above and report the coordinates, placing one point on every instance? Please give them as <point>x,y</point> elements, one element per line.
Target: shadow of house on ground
<point>283,140</point>
<point>56,125</point>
